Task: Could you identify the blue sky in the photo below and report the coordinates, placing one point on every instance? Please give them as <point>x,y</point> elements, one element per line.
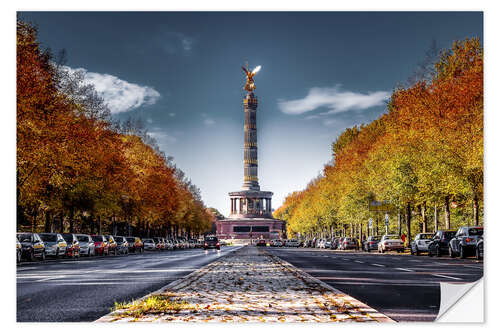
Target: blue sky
<point>180,73</point>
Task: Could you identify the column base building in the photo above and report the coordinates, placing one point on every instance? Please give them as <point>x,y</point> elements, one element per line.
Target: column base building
<point>251,210</point>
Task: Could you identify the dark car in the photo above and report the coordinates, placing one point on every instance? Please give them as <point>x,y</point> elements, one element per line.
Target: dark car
<point>480,248</point>
<point>73,248</point>
<point>135,244</point>
<point>122,245</point>
<point>211,242</point>
<point>371,243</point>
<point>261,242</point>
<point>18,251</point>
<point>101,245</point>
<point>464,242</point>
<point>55,245</point>
<point>440,241</point>
<point>31,246</point>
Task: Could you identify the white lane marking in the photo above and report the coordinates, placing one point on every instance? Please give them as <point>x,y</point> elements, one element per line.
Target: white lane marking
<point>359,262</point>
<point>415,260</point>
<point>379,265</point>
<point>478,267</point>
<point>446,276</point>
<point>405,269</point>
<point>345,259</point>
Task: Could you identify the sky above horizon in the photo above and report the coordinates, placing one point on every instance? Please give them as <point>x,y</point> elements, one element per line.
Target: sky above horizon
<point>179,72</point>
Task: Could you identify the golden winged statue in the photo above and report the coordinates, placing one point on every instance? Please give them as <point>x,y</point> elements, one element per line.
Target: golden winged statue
<point>250,84</point>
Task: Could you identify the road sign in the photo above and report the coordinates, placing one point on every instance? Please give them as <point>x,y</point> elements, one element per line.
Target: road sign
<point>370,223</point>
<point>386,219</point>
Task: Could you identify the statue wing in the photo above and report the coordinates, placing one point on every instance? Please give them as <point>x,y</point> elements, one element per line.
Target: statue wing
<point>245,70</point>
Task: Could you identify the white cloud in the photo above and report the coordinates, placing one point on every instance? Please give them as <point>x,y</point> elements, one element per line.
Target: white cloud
<point>176,43</point>
<point>335,99</point>
<point>209,122</point>
<point>118,94</point>
<point>171,114</point>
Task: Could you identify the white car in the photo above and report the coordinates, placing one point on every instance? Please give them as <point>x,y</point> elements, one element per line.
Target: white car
<point>390,243</point>
<point>149,244</point>
<point>276,243</point>
<point>421,243</point>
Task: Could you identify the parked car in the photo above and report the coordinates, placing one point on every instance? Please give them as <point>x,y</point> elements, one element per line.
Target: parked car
<point>421,243</point>
<point>261,242</point>
<point>275,243</point>
<point>135,244</point>
<point>480,249</point>
<point>169,245</point>
<point>101,245</point>
<point>390,243</point>
<point>371,243</point>
<point>349,243</point>
<point>211,242</point>
<point>149,244</point>
<point>321,243</point>
<point>464,242</point>
<point>440,241</point>
<point>87,246</point>
<point>18,251</point>
<point>32,246</point>
<point>55,245</point>
<point>112,246</point>
<point>73,248</point>
<point>292,243</point>
<point>160,243</point>
<point>335,243</point>
<point>122,245</point>
<point>341,241</point>
<point>328,244</point>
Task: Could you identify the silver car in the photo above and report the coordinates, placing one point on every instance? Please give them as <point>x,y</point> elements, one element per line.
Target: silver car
<point>55,245</point>
<point>87,246</point>
<point>421,243</point>
<point>149,244</point>
<point>390,243</point>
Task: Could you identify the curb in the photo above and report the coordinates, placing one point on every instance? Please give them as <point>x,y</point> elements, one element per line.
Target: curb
<point>110,317</point>
<point>370,312</point>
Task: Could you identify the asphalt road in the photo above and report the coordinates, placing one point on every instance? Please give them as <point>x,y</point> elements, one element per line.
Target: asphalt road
<point>403,287</point>
<point>86,289</point>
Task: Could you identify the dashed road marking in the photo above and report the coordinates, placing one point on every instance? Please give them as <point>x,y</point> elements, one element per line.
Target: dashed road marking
<point>446,276</point>
<point>405,269</point>
<point>378,265</point>
<point>359,262</point>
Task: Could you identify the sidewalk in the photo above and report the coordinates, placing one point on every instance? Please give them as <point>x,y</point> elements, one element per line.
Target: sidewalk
<point>248,285</point>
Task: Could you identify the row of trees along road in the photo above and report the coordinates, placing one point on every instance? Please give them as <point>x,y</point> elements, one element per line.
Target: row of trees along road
<point>424,156</point>
<point>78,171</point>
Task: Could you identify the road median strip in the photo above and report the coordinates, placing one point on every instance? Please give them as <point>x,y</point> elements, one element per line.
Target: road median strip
<point>247,285</point>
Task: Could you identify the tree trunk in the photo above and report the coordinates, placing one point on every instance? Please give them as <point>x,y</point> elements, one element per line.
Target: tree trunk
<point>424,217</point>
<point>368,230</point>
<point>61,222</point>
<point>33,221</point>
<point>436,218</point>
<point>475,209</point>
<point>91,217</point>
<point>48,224</point>
<point>447,212</point>
<point>376,225</point>
<point>408,222</point>
<point>71,216</point>
<point>399,222</point>
<point>99,225</point>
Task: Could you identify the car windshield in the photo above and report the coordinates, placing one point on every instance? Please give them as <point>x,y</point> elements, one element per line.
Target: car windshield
<point>119,239</point>
<point>147,240</point>
<point>476,231</point>
<point>82,238</point>
<point>449,234</point>
<point>130,239</point>
<point>98,238</point>
<point>24,237</point>
<point>48,237</point>
<point>391,237</point>
<point>375,238</point>
<point>68,238</point>
<point>426,236</point>
<point>211,238</point>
